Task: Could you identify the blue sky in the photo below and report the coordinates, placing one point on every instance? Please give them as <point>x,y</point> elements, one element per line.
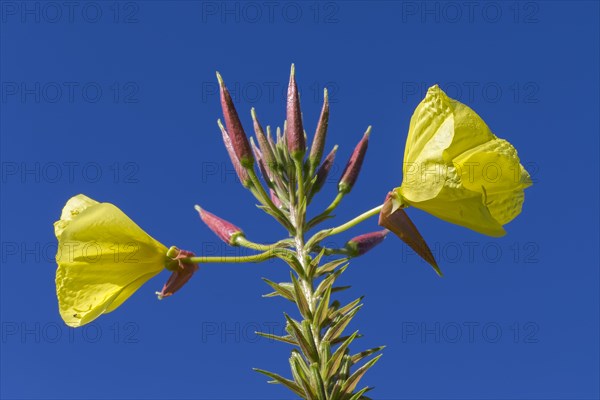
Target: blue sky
<point>118,100</point>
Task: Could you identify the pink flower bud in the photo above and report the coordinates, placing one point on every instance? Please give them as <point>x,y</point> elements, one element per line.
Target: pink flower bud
<point>323,171</point>
<point>361,244</point>
<point>294,131</point>
<point>263,142</point>
<point>352,169</point>
<point>318,144</point>
<point>275,198</point>
<point>223,229</point>
<point>238,137</point>
<point>182,273</point>
<point>396,220</point>
<point>240,171</point>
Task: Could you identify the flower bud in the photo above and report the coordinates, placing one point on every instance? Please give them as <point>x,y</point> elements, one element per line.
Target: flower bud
<point>352,169</point>
<point>223,229</point>
<point>294,131</point>
<point>318,144</point>
<point>238,137</point>
<point>323,171</point>
<point>261,164</point>
<point>275,198</point>
<point>361,244</point>
<point>240,171</point>
<point>182,272</point>
<point>394,218</point>
<point>265,147</point>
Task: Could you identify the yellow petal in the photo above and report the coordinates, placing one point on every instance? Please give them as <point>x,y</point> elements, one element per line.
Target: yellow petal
<point>74,206</point>
<point>103,258</point>
<point>449,164</point>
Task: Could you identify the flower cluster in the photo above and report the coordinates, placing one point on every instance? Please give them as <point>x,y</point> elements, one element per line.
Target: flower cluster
<point>447,159</point>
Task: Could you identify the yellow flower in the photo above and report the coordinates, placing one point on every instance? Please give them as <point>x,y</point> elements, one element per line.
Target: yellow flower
<point>103,258</point>
<point>456,169</point>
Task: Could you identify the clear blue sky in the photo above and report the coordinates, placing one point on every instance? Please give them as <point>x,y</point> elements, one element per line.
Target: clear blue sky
<point>118,101</point>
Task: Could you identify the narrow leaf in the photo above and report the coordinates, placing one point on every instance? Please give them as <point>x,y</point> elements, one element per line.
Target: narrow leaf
<point>293,386</point>
<point>283,289</point>
<point>286,339</point>
<point>352,381</point>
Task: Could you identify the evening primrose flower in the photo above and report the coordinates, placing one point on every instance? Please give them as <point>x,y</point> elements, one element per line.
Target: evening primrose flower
<point>456,169</point>
<point>103,258</point>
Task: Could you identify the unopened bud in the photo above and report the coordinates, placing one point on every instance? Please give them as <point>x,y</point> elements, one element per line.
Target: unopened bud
<point>275,198</point>
<point>239,170</point>
<point>263,143</point>
<point>223,229</point>
<point>352,169</point>
<point>294,131</point>
<point>318,144</point>
<point>182,272</point>
<point>361,244</point>
<point>236,132</point>
<point>323,171</point>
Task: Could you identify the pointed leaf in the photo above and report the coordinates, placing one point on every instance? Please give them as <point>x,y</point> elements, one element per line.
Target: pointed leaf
<point>364,354</point>
<point>338,327</point>
<point>330,266</point>
<point>283,289</point>
<point>286,382</point>
<point>286,339</point>
<point>300,298</point>
<point>336,359</point>
<point>352,381</point>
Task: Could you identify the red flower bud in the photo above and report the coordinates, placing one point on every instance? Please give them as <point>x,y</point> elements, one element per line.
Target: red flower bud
<point>318,144</point>
<point>323,171</point>
<point>361,244</point>
<point>352,169</point>
<point>223,229</point>
<point>294,132</point>
<point>182,273</point>
<point>396,220</point>
<point>238,137</point>
<point>240,171</point>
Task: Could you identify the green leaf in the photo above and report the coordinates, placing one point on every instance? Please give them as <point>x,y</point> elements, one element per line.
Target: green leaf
<point>352,381</point>
<point>317,381</point>
<point>312,267</point>
<point>295,329</point>
<point>338,327</point>
<point>301,375</point>
<point>359,395</point>
<point>283,289</point>
<point>339,288</point>
<point>336,359</point>
<point>300,298</point>
<point>329,280</point>
<point>286,339</point>
<point>364,354</point>
<point>323,307</point>
<point>330,266</point>
<point>343,338</point>
<point>293,386</point>
<point>324,355</point>
<point>339,312</point>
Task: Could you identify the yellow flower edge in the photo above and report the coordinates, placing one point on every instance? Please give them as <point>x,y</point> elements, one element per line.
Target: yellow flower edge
<point>456,169</point>
<point>103,257</point>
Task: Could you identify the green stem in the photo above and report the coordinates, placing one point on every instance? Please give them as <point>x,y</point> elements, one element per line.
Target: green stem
<point>242,241</point>
<point>223,259</point>
<point>327,211</point>
<point>344,227</point>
